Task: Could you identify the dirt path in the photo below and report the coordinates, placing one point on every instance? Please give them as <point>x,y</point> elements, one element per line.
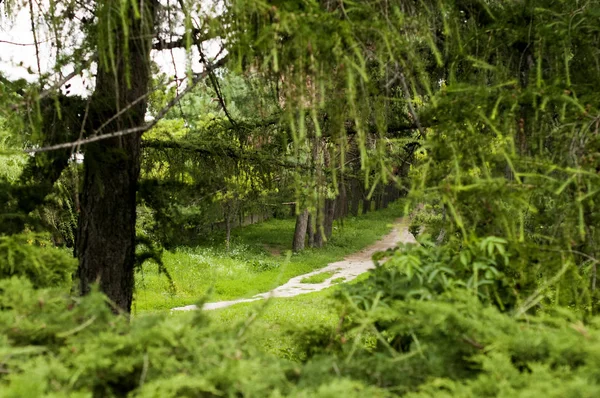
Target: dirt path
<point>349,268</point>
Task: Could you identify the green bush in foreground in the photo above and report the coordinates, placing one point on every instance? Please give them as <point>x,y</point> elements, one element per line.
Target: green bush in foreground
<point>429,323</point>
<point>54,345</point>
<point>412,328</point>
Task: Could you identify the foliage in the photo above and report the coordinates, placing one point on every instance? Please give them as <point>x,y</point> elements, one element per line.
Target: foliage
<point>428,215</point>
<point>248,267</point>
<point>486,110</point>
<point>54,345</point>
<point>32,256</point>
<point>512,127</point>
<point>11,163</point>
<point>415,325</point>
<point>185,200</point>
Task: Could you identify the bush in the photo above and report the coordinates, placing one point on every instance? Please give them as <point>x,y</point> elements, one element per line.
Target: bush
<point>422,325</point>
<point>55,345</point>
<point>31,256</point>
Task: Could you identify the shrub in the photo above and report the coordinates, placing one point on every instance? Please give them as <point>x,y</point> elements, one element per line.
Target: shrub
<point>31,256</point>
<point>55,345</point>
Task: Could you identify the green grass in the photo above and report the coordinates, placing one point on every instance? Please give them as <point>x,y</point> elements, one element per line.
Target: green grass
<point>338,280</point>
<point>250,267</point>
<point>273,325</point>
<point>317,278</point>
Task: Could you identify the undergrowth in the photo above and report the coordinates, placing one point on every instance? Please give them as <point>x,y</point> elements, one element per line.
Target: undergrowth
<point>318,278</point>
<point>409,329</point>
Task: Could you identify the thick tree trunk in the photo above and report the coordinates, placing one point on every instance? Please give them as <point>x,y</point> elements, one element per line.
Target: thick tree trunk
<point>300,231</point>
<point>106,233</point>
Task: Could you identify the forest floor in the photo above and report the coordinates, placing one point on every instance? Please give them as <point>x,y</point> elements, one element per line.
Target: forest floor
<point>336,272</point>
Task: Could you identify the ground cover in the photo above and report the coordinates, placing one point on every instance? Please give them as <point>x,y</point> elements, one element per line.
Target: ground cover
<point>318,278</point>
<point>253,263</point>
<point>274,325</point>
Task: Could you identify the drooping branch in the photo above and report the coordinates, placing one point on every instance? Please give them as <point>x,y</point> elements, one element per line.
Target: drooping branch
<point>139,129</point>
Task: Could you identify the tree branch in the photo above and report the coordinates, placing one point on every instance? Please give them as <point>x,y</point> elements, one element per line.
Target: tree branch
<point>139,129</point>
<point>197,39</point>
<point>65,79</point>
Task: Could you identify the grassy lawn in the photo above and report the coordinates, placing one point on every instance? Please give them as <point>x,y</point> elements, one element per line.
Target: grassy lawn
<point>258,261</point>
<point>273,325</point>
<point>318,278</point>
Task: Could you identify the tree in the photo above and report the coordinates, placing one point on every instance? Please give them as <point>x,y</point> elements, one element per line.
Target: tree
<point>118,37</point>
<point>106,232</point>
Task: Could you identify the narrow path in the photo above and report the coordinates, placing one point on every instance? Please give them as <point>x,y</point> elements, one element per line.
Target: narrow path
<point>349,268</point>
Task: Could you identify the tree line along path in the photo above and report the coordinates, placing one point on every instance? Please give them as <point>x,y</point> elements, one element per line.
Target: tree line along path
<point>345,270</point>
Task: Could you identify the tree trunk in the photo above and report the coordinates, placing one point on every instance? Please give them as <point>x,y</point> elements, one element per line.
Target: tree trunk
<point>300,231</point>
<point>228,217</point>
<point>341,207</point>
<point>106,233</point>
<point>354,197</point>
<point>227,234</point>
<point>328,215</point>
<point>377,198</point>
<point>388,195</point>
<point>310,229</point>
<point>319,229</point>
<point>366,206</point>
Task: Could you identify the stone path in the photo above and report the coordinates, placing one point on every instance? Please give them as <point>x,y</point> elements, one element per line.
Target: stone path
<point>349,268</point>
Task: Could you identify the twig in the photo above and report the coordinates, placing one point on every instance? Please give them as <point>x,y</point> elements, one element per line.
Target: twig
<point>65,79</point>
<point>472,342</point>
<point>536,297</point>
<point>410,106</point>
<point>18,44</point>
<point>77,329</point>
<point>37,48</point>
<point>211,76</point>
<point>144,370</point>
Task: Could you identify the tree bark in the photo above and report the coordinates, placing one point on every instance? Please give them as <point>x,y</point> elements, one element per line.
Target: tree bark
<point>328,216</point>
<point>310,230</point>
<point>354,197</point>
<point>228,217</point>
<point>377,198</point>
<point>341,207</point>
<point>300,231</point>
<point>366,206</point>
<point>318,233</point>
<point>106,233</point>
